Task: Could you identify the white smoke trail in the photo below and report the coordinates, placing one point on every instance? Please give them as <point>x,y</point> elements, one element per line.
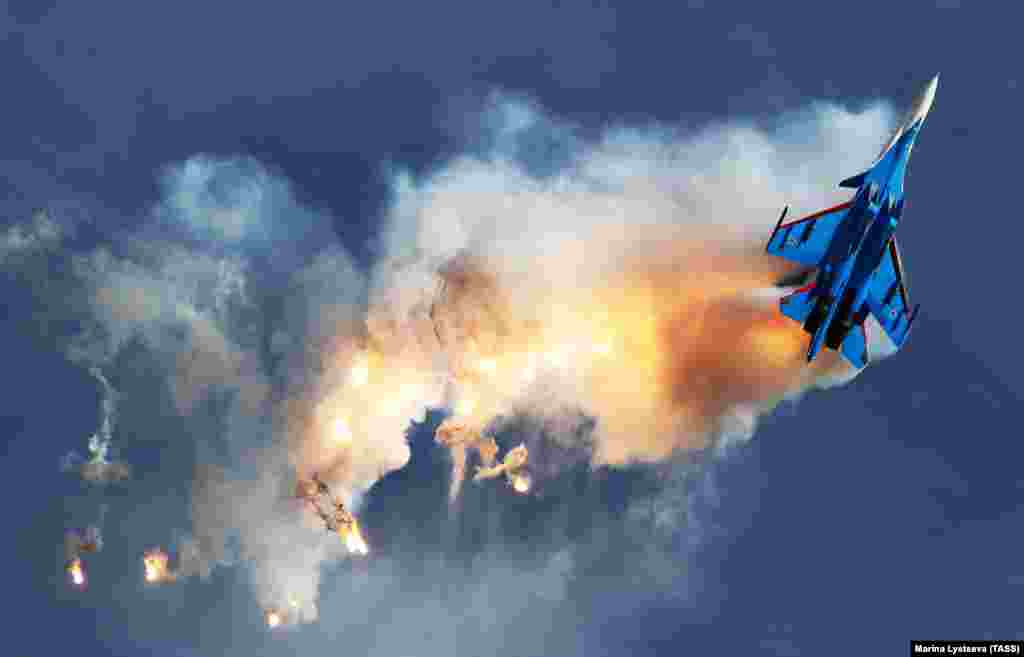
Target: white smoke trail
<point>98,468</point>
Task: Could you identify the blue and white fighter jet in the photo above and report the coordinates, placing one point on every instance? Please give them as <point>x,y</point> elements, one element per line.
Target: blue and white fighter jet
<point>853,248</point>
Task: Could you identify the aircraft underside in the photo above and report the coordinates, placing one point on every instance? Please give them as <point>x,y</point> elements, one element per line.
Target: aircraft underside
<point>854,244</point>
<point>817,315</point>
<point>841,324</point>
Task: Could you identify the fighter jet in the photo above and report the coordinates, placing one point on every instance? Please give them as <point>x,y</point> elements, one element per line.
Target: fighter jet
<point>853,248</point>
<point>513,467</point>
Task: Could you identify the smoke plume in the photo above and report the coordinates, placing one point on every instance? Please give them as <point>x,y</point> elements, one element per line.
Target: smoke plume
<point>628,285</point>
<point>604,301</point>
<point>27,238</point>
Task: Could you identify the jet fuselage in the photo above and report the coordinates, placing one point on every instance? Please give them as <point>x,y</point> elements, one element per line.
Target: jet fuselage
<point>854,250</point>
<point>854,255</point>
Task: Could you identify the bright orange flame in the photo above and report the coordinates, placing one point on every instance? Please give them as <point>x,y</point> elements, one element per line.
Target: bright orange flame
<point>77,572</point>
<point>155,562</point>
<point>273,619</point>
<point>776,344</point>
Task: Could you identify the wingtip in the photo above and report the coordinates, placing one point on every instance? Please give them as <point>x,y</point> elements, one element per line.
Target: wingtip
<point>778,225</point>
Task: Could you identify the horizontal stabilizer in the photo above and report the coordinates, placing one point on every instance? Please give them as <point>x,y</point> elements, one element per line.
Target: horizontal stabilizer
<point>896,324</point>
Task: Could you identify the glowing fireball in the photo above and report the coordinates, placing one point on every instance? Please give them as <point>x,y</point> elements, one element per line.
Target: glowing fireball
<point>77,572</point>
<point>521,483</point>
<point>155,563</point>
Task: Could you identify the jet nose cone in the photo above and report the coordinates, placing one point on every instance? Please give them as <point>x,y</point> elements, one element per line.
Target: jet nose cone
<point>924,101</point>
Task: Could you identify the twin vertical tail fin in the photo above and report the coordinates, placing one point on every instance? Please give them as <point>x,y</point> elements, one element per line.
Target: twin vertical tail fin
<point>782,217</point>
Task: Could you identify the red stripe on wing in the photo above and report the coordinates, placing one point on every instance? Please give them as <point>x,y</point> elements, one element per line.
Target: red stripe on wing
<point>841,206</point>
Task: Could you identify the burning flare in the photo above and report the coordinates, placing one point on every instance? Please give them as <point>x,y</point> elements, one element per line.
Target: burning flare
<point>521,482</point>
<point>273,619</point>
<point>460,437</point>
<point>155,563</point>
<point>76,571</point>
<point>77,542</point>
<point>353,537</point>
<point>513,467</point>
<point>453,434</point>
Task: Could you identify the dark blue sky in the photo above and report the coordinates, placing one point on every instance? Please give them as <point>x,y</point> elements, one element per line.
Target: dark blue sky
<point>881,511</point>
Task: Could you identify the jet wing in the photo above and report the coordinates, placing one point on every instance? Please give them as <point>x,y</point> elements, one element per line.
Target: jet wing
<point>888,299</point>
<point>806,240</point>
